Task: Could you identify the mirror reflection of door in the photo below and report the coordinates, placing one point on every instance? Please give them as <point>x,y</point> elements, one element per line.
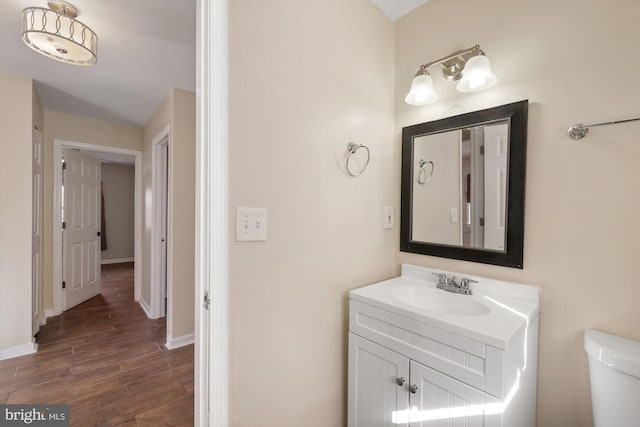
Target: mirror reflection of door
<point>495,185</point>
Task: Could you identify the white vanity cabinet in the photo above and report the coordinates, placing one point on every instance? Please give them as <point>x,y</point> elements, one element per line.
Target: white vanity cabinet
<point>408,368</point>
<point>384,385</point>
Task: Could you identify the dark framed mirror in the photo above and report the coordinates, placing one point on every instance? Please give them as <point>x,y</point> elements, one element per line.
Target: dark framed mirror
<point>463,186</point>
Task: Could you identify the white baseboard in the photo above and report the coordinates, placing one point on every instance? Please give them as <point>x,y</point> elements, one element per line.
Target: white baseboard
<point>17,351</point>
<point>116,260</point>
<point>179,341</point>
<point>145,307</point>
<point>47,314</point>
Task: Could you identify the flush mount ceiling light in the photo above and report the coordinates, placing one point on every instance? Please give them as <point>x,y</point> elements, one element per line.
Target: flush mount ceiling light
<point>470,67</point>
<point>55,33</point>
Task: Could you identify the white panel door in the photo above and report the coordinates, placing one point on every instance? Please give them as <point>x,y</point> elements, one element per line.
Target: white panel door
<point>159,178</point>
<point>377,385</point>
<point>438,400</point>
<point>495,182</point>
<point>81,234</point>
<point>36,239</point>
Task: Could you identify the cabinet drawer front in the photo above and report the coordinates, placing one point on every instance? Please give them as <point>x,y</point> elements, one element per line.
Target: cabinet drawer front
<point>457,356</point>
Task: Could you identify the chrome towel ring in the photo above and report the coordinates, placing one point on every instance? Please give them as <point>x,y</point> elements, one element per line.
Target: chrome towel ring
<point>422,177</point>
<point>352,149</point>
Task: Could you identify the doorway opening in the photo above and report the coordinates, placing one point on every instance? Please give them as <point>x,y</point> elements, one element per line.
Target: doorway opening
<point>77,250</point>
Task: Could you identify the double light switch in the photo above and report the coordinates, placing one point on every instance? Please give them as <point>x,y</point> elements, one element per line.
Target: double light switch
<point>251,224</point>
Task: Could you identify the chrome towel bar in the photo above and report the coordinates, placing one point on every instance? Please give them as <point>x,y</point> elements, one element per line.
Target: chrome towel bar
<point>579,130</point>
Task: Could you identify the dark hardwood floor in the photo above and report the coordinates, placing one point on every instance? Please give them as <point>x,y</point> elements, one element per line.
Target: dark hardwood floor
<point>107,360</point>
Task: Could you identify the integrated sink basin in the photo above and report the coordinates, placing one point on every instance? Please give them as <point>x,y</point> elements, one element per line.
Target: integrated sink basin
<point>494,314</point>
<point>438,301</point>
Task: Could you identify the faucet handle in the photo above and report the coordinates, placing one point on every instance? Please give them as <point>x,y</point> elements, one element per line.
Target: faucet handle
<point>442,278</point>
<point>464,286</point>
<point>464,282</point>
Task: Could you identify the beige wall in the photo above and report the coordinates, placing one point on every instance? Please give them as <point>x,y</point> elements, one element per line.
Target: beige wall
<point>581,196</point>
<point>177,111</point>
<point>17,111</point>
<point>74,128</point>
<point>182,211</point>
<point>118,187</point>
<point>305,79</point>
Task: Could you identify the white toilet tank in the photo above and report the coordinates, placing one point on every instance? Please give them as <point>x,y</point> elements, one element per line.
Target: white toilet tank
<point>614,369</point>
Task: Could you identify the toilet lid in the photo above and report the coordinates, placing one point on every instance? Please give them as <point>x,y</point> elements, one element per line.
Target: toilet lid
<point>617,352</point>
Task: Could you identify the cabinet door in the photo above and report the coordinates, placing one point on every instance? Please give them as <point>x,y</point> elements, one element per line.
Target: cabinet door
<point>377,395</point>
<point>439,400</point>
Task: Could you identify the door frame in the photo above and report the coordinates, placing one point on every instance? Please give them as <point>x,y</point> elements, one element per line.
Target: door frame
<point>212,201</point>
<point>36,223</point>
<point>477,190</point>
<point>58,145</point>
<point>160,172</point>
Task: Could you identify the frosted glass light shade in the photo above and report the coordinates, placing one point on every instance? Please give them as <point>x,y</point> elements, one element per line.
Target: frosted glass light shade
<point>58,36</point>
<point>421,92</point>
<point>477,75</point>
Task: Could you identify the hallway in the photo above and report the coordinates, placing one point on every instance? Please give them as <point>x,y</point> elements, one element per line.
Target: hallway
<point>107,360</point>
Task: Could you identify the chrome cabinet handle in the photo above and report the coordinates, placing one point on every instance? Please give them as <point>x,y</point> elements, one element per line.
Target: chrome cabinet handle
<point>413,388</point>
<point>400,381</point>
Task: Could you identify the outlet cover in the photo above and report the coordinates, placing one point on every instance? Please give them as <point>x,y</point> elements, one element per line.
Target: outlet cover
<point>388,217</point>
<point>453,212</point>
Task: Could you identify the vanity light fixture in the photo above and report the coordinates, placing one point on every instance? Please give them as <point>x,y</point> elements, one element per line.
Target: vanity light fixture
<point>470,67</point>
<point>56,34</point>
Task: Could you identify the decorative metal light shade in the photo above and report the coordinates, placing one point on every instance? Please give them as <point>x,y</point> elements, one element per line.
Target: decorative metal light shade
<point>56,34</point>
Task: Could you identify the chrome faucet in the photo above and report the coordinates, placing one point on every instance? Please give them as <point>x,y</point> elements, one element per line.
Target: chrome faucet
<point>449,284</point>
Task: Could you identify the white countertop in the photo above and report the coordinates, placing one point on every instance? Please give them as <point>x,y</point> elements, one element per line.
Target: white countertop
<point>505,308</point>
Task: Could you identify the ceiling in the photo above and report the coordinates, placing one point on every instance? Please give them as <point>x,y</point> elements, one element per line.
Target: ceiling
<point>396,9</point>
<point>145,48</point>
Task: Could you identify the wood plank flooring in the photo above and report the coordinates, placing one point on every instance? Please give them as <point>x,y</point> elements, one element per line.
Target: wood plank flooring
<point>107,360</point>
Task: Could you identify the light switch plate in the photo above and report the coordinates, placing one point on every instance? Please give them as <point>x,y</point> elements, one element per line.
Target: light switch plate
<point>251,224</point>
